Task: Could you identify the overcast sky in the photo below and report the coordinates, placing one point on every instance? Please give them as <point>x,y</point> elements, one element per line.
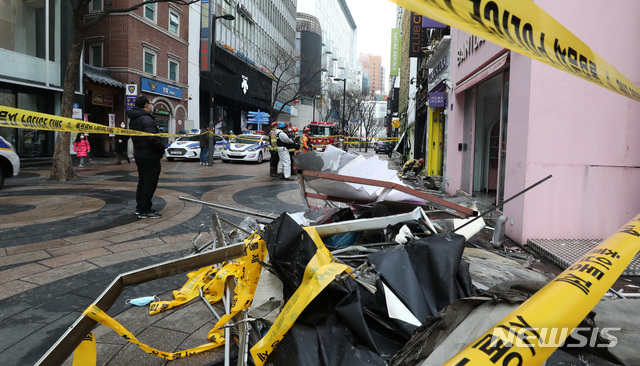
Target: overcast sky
<point>374,19</point>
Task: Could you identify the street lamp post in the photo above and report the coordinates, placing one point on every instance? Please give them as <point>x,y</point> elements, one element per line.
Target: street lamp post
<point>344,102</point>
<point>212,55</point>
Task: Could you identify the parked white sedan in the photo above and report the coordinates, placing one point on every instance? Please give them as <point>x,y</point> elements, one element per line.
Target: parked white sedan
<point>247,147</point>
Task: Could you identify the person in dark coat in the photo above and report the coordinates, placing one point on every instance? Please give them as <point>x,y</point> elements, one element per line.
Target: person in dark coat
<point>148,151</point>
<point>121,147</point>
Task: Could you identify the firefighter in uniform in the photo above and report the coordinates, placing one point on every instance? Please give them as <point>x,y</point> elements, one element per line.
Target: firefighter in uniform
<point>306,140</point>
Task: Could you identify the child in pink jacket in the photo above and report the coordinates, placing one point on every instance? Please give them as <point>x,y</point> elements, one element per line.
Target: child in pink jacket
<point>81,146</point>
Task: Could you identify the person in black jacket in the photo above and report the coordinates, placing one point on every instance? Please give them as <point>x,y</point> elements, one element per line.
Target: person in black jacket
<point>148,151</point>
<point>121,146</point>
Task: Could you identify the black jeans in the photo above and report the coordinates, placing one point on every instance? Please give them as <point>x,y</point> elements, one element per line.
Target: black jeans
<point>148,174</point>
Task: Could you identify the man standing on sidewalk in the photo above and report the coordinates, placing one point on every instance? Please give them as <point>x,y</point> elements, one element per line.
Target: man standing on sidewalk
<point>148,151</point>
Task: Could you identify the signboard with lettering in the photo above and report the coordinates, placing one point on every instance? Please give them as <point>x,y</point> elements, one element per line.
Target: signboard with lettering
<point>158,87</point>
<point>416,35</point>
<point>105,100</point>
<point>205,39</point>
<point>436,99</point>
<point>131,93</point>
<point>395,52</point>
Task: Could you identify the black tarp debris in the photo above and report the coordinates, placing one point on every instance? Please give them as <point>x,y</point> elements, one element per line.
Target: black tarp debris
<point>346,323</point>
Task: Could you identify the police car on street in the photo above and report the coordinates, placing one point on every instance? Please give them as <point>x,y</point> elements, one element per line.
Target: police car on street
<point>9,161</point>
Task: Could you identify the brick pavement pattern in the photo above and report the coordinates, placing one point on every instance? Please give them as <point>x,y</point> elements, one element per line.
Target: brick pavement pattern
<point>62,244</point>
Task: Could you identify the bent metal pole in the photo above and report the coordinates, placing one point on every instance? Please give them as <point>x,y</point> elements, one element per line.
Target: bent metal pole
<point>228,208</point>
<point>504,202</point>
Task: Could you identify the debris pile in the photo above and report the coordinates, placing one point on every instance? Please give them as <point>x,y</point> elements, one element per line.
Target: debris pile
<point>377,282</point>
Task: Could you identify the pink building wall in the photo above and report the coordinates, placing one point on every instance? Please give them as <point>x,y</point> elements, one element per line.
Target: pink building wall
<point>584,135</point>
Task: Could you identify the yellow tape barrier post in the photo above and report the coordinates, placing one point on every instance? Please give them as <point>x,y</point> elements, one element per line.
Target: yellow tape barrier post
<point>532,332</point>
<point>318,274</point>
<point>522,26</point>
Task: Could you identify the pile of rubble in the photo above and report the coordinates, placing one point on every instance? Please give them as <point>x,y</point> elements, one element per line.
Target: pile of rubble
<point>376,276</point>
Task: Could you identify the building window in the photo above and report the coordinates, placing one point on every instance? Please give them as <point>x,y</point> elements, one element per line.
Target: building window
<point>149,62</point>
<point>95,6</point>
<point>150,11</point>
<point>173,70</point>
<point>95,55</point>
<point>174,23</point>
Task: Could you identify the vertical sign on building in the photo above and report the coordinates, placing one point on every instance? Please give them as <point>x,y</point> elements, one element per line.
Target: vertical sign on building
<point>205,44</point>
<point>395,52</point>
<point>112,122</point>
<point>131,94</point>
<point>415,36</point>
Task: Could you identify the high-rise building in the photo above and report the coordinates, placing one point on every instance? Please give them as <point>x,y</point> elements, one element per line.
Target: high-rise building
<point>247,53</point>
<point>372,65</point>
<point>339,37</point>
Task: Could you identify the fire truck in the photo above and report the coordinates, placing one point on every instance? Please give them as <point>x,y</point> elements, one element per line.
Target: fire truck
<point>323,134</point>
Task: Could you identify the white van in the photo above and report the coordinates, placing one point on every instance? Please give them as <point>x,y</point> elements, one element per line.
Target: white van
<point>9,161</point>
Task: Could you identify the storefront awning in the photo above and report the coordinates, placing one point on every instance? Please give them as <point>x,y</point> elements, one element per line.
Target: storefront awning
<point>101,75</point>
<point>485,72</point>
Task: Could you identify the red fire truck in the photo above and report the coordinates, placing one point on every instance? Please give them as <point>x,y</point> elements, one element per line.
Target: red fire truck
<point>323,134</point>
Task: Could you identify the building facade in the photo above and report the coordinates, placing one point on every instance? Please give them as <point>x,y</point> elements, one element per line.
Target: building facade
<point>339,41</point>
<point>514,121</point>
<point>247,54</point>
<point>33,57</point>
<point>147,50</point>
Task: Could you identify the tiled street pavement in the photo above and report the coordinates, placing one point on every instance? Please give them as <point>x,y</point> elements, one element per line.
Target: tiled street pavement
<point>62,244</point>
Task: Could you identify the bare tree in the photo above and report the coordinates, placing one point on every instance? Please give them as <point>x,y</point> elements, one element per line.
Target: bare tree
<point>368,125</point>
<point>83,21</point>
<point>290,80</point>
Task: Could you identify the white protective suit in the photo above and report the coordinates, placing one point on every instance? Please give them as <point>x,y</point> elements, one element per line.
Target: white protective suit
<point>284,165</point>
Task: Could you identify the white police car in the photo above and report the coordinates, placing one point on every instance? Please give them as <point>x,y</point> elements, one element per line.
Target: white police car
<point>247,147</point>
<point>9,161</point>
<point>188,146</point>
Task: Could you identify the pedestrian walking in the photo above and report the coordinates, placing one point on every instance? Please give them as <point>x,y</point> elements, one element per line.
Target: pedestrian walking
<point>81,147</point>
<point>148,151</point>
<point>121,147</point>
<point>204,146</point>
<point>284,143</point>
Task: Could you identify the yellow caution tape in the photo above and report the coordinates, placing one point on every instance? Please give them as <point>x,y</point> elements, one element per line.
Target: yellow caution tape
<point>522,26</point>
<point>85,353</point>
<point>247,276</point>
<point>20,118</point>
<point>212,280</point>
<point>532,332</point>
<point>318,274</point>
<point>101,317</point>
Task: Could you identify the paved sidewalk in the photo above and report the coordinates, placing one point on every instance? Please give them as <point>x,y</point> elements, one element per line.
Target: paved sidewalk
<point>62,244</point>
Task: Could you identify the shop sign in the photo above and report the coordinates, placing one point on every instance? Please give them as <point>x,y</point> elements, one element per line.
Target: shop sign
<point>105,100</point>
<point>416,36</point>
<point>205,61</point>
<point>469,47</point>
<point>430,23</point>
<point>161,88</point>
<point>161,110</point>
<point>440,67</point>
<point>436,99</point>
<point>395,52</point>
